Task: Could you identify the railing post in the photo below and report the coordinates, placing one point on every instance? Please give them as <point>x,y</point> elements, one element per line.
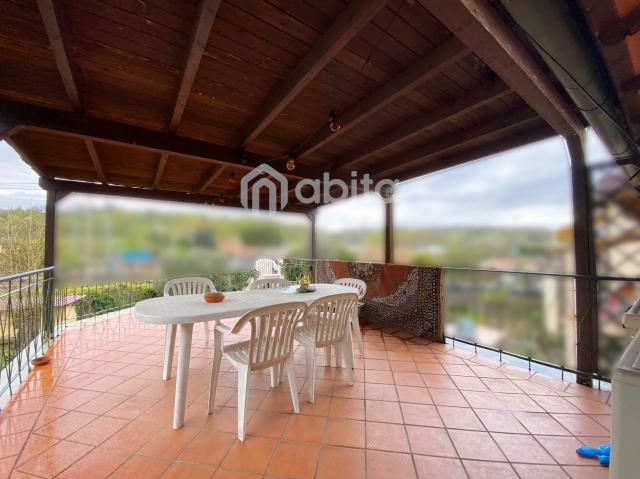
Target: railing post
<point>48,319</point>
<point>585,262</point>
<point>313,243</point>
<point>388,229</point>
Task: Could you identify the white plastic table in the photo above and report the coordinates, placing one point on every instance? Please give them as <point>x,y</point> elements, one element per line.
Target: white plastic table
<point>186,310</point>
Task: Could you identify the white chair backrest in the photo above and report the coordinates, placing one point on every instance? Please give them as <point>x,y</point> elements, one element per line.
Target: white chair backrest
<point>269,283</point>
<point>191,285</point>
<point>332,316</point>
<point>360,285</point>
<point>267,267</point>
<point>272,331</point>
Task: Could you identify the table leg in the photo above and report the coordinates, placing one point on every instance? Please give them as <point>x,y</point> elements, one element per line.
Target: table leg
<point>215,370</point>
<point>184,356</point>
<point>169,344</point>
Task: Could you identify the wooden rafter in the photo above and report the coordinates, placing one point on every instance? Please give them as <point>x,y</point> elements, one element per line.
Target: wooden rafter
<point>430,120</point>
<point>22,154</point>
<point>632,84</point>
<point>479,26</point>
<point>95,159</point>
<point>162,163</point>
<point>113,190</point>
<point>207,12</point>
<point>347,26</point>
<point>617,31</point>
<point>35,118</point>
<point>51,19</point>
<point>427,67</point>
<point>211,176</point>
<point>502,123</point>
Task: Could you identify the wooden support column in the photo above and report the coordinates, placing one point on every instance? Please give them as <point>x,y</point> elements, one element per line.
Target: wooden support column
<point>584,251</point>
<point>49,256</point>
<point>388,230</point>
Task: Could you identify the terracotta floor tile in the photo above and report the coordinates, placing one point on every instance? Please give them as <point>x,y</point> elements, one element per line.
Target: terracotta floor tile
<point>66,425</point>
<point>49,414</point>
<point>6,464</point>
<point>168,443</point>
<point>73,399</point>
<point>501,385</point>
<point>97,464</point>
<point>475,445</point>
<point>11,444</point>
<point>276,401</point>
<point>483,400</point>
<point>421,415</point>
<point>132,437</point>
<point>519,402</point>
<point>583,472</point>
<point>377,364</point>
<point>384,411</point>
<point>580,425</point>
<point>181,470</point>
<point>432,441</point>
<point>403,366</point>
<point>439,468</point>
<point>140,466</point>
<point>403,378</point>
<point>563,450</point>
<point>489,470</point>
<point>34,446</point>
<point>252,455</point>
<point>341,463</point>
<point>380,377</point>
<point>305,428</point>
<point>458,370</point>
<point>295,460</point>
<point>448,397</point>
<point>227,474</point>
<point>411,394</point>
<point>541,423</point>
<point>15,424</point>
<point>431,369</point>
<point>460,418</point>
<point>102,404</point>
<point>208,448</point>
<point>98,431</point>
<point>349,408</point>
<point>356,391</point>
<point>383,465</point>
<point>344,432</point>
<point>522,448</point>
<point>25,406</point>
<point>533,471</point>
<point>267,423</point>
<point>54,460</point>
<point>387,437</point>
<point>380,392</point>
<point>555,404</point>
<point>500,421</point>
<point>469,383</point>
<point>320,407</point>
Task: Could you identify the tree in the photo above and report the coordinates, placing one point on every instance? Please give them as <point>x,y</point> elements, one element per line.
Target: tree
<point>21,240</point>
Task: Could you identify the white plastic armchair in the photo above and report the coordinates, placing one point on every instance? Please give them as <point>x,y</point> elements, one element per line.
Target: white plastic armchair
<point>269,283</point>
<point>178,287</point>
<point>268,268</point>
<point>270,345</point>
<point>361,286</point>
<point>329,326</point>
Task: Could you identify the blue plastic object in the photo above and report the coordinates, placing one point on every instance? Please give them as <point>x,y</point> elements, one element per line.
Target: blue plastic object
<point>604,460</point>
<point>588,451</point>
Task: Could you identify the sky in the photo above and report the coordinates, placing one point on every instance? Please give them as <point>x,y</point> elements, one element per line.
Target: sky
<point>525,187</point>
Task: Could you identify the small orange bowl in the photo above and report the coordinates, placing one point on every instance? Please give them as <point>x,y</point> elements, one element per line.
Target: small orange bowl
<point>40,361</point>
<point>213,297</point>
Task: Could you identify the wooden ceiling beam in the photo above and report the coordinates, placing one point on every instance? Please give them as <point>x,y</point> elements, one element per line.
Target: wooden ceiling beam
<point>145,193</point>
<point>632,84</point>
<point>207,11</point>
<point>478,25</point>
<point>50,13</point>
<point>502,123</point>
<point>162,164</point>
<point>95,159</point>
<point>35,118</point>
<point>358,14</point>
<point>427,67</point>
<point>210,176</point>
<point>499,146</point>
<point>428,121</point>
<point>622,28</point>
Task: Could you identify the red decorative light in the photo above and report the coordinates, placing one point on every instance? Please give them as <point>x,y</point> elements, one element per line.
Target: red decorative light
<point>232,178</point>
<point>334,122</point>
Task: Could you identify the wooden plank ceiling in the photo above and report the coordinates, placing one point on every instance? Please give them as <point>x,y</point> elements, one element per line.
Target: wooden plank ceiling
<point>186,96</point>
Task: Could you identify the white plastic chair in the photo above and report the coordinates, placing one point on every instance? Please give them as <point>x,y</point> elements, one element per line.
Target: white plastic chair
<point>268,268</point>
<point>328,327</point>
<point>361,286</point>
<point>269,283</point>
<point>270,345</point>
<point>177,287</point>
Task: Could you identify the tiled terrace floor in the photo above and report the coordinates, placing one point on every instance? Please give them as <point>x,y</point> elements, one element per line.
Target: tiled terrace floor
<point>416,410</point>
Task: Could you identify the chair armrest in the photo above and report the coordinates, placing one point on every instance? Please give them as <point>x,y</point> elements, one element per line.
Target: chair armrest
<point>223,328</point>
